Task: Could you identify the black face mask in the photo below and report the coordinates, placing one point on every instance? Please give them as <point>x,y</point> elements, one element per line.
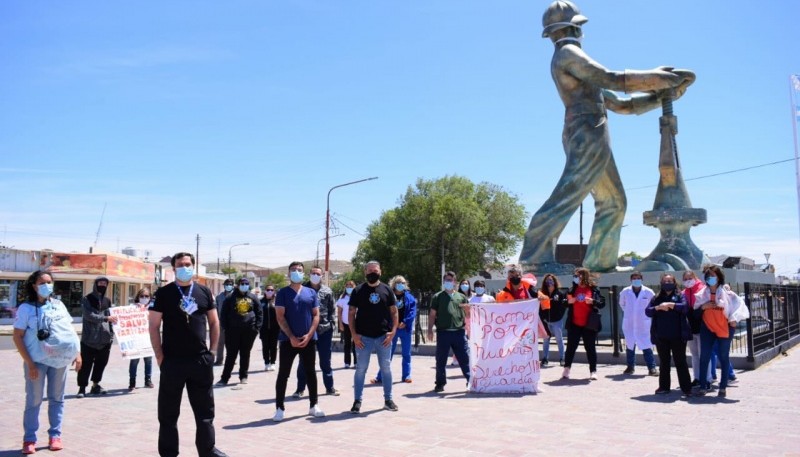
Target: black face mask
<point>515,281</point>
<point>668,287</point>
<point>102,289</point>
<point>373,277</point>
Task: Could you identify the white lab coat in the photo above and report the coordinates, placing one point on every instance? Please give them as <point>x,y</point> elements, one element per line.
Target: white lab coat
<point>635,323</point>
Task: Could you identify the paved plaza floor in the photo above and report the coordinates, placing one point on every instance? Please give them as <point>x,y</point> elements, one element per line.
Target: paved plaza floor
<point>614,416</point>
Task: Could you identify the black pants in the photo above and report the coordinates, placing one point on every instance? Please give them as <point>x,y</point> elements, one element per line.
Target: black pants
<point>308,355</point>
<point>197,375</point>
<point>574,335</point>
<point>269,344</point>
<point>94,362</point>
<point>238,343</point>
<point>349,347</point>
<point>676,347</point>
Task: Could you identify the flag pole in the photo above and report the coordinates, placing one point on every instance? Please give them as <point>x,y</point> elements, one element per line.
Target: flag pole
<point>794,89</point>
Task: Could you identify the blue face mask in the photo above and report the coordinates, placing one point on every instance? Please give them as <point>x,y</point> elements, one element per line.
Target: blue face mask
<point>349,290</point>
<point>636,283</point>
<point>465,288</point>
<point>400,287</point>
<point>228,288</point>
<point>576,279</point>
<point>296,276</point>
<point>711,281</point>
<point>184,274</point>
<point>480,290</point>
<point>244,287</point>
<point>44,289</point>
<point>448,285</point>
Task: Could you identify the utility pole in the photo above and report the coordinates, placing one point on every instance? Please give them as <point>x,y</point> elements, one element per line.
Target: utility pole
<point>197,255</point>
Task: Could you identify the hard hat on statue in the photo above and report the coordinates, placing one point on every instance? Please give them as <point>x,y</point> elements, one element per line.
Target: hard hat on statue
<point>561,14</point>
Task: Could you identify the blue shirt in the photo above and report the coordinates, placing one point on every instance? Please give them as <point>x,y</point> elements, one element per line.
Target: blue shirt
<point>297,310</point>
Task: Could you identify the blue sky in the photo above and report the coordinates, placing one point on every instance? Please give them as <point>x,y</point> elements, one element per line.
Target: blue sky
<point>233,119</point>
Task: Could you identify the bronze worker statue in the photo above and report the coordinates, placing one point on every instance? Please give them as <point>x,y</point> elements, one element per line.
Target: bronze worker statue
<point>587,90</point>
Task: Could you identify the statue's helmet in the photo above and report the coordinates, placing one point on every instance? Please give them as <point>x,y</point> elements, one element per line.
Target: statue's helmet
<point>561,14</point>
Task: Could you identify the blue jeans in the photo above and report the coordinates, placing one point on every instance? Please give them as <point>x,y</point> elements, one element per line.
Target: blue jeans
<point>713,368</point>
<point>384,361</point>
<point>707,341</point>
<point>134,366</point>
<point>557,330</point>
<point>649,359</point>
<point>324,343</point>
<point>404,335</point>
<point>34,394</point>
<point>445,341</point>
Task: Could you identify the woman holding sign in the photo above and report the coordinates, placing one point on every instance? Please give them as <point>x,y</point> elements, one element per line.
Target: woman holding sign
<point>142,300</point>
<point>47,342</point>
<point>583,320</point>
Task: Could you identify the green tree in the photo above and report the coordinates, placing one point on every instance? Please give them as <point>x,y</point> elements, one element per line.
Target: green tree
<point>276,279</point>
<point>475,226</point>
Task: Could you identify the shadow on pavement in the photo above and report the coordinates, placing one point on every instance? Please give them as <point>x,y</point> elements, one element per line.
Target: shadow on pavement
<point>625,377</point>
<point>569,382</point>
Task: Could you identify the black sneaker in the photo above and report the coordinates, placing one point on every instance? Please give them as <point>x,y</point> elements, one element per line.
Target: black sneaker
<point>148,383</point>
<point>356,409</point>
<point>653,372</point>
<point>628,370</point>
<point>98,390</point>
<point>81,392</point>
<point>390,405</point>
<point>438,389</point>
<point>695,383</point>
<point>221,383</point>
<point>543,364</point>
<point>721,393</point>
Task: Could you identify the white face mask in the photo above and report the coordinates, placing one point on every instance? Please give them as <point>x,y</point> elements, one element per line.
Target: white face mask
<point>144,300</point>
<point>315,279</point>
<point>689,283</point>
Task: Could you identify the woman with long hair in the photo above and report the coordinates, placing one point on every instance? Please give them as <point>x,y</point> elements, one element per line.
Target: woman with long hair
<point>47,342</point>
<point>671,330</point>
<point>583,299</point>
<point>551,312</point>
<point>141,300</point>
<point>344,308</point>
<point>722,311</point>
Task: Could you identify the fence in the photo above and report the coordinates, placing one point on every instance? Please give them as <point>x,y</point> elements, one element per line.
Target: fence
<point>773,327</point>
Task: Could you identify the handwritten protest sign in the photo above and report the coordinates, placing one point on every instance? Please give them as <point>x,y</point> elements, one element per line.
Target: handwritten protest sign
<point>504,350</point>
<point>132,331</point>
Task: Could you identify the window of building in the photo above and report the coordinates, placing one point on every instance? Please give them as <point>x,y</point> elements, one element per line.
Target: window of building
<point>70,293</point>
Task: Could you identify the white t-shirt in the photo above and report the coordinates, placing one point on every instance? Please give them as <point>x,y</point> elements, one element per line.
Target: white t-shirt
<point>485,298</point>
<point>344,303</point>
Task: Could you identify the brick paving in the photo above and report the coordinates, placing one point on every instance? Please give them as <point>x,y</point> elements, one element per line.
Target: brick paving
<point>616,415</point>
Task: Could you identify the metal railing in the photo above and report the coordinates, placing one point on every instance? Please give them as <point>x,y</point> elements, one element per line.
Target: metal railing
<point>774,316</point>
<point>774,319</point>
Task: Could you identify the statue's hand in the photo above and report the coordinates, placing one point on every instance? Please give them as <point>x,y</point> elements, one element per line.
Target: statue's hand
<point>688,79</point>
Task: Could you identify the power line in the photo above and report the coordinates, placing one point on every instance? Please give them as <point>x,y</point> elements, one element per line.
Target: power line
<point>385,244</point>
<point>722,173</point>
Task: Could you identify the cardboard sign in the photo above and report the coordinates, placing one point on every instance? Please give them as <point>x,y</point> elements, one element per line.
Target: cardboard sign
<point>132,331</point>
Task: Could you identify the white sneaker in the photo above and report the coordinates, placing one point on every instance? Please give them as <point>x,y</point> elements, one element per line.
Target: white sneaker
<point>278,415</point>
<point>593,376</point>
<point>316,411</point>
<point>565,373</point>
<point>271,367</point>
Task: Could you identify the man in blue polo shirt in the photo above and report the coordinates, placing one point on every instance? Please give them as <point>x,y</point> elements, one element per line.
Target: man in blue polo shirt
<point>297,312</point>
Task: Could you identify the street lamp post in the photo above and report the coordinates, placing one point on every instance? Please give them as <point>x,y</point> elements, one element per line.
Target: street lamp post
<point>328,221</point>
<point>316,259</point>
<point>229,253</point>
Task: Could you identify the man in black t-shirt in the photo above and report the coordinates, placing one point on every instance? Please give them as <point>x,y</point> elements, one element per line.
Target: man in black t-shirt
<point>373,322</point>
<point>185,307</point>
